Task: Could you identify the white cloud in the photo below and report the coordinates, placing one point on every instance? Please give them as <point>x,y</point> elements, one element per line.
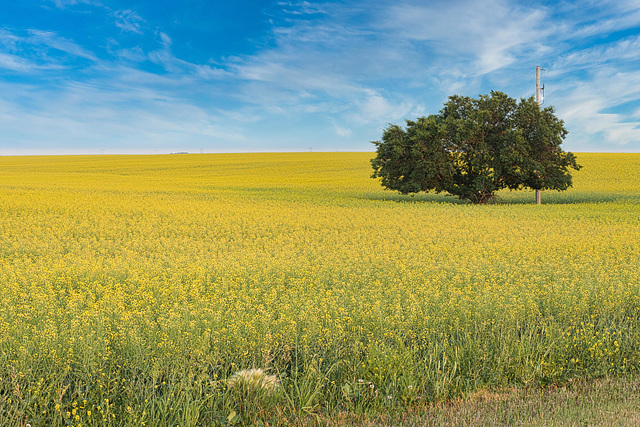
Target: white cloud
<point>375,107</point>
<point>585,108</point>
<point>347,66</point>
<point>344,132</point>
<point>134,54</point>
<point>487,34</point>
<point>8,40</point>
<point>128,20</point>
<point>208,72</point>
<point>38,51</point>
<point>301,8</point>
<point>166,40</point>
<point>54,41</point>
<point>117,117</point>
<point>165,57</point>
<point>351,50</point>
<point>600,17</point>
<point>66,3</point>
<point>22,65</point>
<point>624,50</point>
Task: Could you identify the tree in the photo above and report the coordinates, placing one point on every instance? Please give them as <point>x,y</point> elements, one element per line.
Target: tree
<point>476,147</point>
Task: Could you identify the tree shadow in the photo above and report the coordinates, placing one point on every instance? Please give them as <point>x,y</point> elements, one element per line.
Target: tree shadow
<point>417,198</point>
<point>548,198</point>
<point>555,198</point>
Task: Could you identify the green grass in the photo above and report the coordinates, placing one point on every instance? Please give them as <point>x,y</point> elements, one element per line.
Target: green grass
<point>610,401</point>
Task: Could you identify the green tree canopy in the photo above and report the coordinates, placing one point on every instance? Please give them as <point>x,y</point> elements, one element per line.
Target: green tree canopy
<point>476,147</point>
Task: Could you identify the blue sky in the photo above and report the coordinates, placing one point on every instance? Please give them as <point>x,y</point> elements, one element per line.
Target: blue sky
<point>142,76</point>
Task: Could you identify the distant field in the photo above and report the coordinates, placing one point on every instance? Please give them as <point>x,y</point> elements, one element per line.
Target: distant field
<point>133,287</point>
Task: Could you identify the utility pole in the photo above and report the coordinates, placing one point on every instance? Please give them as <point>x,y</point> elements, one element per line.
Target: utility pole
<point>539,101</point>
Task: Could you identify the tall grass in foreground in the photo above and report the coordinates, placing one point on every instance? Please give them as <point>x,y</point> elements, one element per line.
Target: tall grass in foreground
<point>134,288</point>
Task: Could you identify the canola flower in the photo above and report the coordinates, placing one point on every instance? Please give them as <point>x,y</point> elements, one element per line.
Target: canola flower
<point>132,288</point>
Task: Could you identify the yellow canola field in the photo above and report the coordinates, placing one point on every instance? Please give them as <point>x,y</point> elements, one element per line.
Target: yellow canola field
<point>132,287</point>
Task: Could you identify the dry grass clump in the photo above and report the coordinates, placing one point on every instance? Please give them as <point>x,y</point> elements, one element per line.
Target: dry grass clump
<point>254,379</point>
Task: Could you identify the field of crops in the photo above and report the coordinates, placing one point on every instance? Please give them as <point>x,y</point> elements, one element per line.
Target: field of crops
<point>132,288</point>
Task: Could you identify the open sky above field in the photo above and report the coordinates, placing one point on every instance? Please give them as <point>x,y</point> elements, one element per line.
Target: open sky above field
<point>158,76</point>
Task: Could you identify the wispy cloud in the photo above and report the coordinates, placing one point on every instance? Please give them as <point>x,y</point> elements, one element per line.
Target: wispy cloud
<point>66,3</point>
<point>22,65</point>
<point>37,50</point>
<point>301,8</point>
<point>593,18</point>
<point>374,107</point>
<point>344,132</point>
<point>586,105</point>
<point>486,35</point>
<point>335,69</point>
<point>128,20</point>
<point>62,44</point>
<point>620,51</point>
<point>178,67</point>
<point>114,118</point>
